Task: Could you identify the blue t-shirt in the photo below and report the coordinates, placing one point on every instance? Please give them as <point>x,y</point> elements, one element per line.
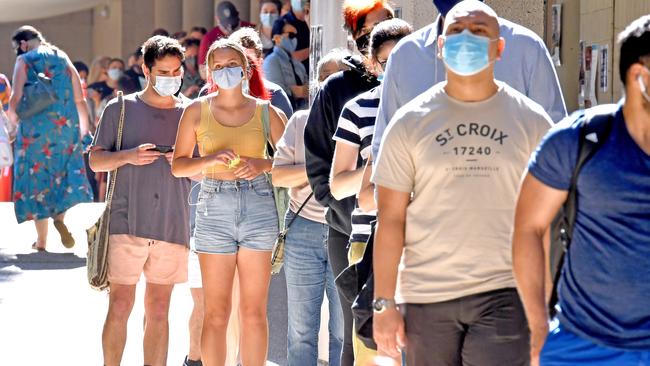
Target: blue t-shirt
<point>604,289</point>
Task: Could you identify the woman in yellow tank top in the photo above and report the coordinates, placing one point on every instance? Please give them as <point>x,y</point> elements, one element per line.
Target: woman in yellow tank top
<point>236,221</point>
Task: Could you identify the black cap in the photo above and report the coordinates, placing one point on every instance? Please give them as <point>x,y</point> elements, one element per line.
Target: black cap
<point>444,6</point>
<point>227,14</point>
<point>278,27</point>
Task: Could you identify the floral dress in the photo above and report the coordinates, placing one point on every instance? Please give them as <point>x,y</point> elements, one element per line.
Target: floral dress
<point>49,172</point>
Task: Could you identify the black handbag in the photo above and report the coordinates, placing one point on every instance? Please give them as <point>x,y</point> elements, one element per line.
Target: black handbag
<point>37,95</point>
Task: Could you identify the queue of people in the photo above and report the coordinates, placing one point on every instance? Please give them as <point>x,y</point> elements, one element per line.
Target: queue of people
<point>424,176</point>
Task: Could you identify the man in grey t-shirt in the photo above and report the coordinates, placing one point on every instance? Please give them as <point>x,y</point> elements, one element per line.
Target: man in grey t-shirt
<point>447,176</point>
<point>149,231</point>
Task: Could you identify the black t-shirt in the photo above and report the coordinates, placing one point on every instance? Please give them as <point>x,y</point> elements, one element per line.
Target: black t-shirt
<point>102,88</point>
<point>135,77</point>
<point>302,36</point>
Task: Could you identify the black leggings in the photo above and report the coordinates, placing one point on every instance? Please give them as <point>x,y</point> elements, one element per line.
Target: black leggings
<point>337,244</point>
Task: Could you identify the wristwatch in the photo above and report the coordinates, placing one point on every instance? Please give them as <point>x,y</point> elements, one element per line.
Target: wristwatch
<point>379,305</point>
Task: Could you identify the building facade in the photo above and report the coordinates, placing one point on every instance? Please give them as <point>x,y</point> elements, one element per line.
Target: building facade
<point>117,27</point>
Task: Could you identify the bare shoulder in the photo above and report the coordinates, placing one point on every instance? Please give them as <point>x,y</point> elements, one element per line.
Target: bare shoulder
<point>193,111</point>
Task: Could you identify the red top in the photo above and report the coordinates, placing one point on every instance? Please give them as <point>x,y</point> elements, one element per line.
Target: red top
<point>215,34</point>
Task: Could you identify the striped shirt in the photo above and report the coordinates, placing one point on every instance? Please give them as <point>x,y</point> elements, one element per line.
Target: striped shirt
<point>355,127</point>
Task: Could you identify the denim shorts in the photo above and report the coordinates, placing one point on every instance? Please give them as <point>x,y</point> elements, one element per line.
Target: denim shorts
<point>233,214</point>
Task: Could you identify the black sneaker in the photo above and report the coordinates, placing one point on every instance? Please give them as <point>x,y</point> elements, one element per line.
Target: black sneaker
<point>189,362</point>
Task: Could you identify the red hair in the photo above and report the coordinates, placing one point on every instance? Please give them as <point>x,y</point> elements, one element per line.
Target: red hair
<point>255,83</point>
<point>355,12</point>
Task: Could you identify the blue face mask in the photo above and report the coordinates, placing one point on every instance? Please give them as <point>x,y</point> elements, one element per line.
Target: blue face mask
<point>228,77</point>
<point>268,19</point>
<point>289,44</point>
<point>466,54</point>
<point>296,5</point>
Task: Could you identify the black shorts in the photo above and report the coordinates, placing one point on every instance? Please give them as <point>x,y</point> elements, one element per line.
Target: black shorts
<point>487,329</point>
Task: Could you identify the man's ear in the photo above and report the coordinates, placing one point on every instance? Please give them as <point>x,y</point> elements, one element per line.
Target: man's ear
<point>441,43</point>
<point>634,72</point>
<point>277,39</point>
<point>501,47</point>
<point>145,70</point>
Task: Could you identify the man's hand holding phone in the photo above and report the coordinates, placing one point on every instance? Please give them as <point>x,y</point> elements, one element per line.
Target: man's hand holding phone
<point>143,155</point>
<point>168,151</point>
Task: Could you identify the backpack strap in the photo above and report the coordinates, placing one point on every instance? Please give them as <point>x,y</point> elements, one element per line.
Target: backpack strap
<point>266,126</point>
<point>594,130</point>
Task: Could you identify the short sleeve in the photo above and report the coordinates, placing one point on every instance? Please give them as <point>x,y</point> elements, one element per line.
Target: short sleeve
<point>395,168</point>
<point>106,136</point>
<point>555,158</point>
<point>347,130</point>
<point>285,153</point>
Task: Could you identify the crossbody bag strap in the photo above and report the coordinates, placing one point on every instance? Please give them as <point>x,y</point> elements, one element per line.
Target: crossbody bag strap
<point>118,147</point>
<point>297,79</point>
<point>299,210</point>
<point>32,66</point>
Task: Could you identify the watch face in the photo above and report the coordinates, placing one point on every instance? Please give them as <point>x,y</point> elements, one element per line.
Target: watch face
<point>378,305</point>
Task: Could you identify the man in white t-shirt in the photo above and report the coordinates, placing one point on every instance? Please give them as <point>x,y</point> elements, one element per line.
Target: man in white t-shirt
<point>447,176</point>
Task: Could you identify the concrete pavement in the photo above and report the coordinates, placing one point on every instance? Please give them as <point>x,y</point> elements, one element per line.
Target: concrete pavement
<point>50,316</point>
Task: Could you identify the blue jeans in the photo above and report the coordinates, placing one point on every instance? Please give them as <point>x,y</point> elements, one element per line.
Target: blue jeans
<point>564,348</point>
<point>309,276</point>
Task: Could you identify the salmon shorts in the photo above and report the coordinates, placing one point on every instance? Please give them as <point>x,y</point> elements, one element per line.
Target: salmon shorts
<point>161,262</point>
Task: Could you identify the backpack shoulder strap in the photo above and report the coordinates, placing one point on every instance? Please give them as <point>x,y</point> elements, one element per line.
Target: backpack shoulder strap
<point>266,126</point>
<point>594,130</point>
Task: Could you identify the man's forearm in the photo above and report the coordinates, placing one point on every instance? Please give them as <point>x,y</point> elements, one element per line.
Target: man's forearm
<point>106,161</point>
<point>529,270</point>
<point>388,246</point>
<point>289,176</point>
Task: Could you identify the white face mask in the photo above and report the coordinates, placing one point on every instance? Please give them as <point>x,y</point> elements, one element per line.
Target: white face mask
<point>114,74</point>
<point>167,85</point>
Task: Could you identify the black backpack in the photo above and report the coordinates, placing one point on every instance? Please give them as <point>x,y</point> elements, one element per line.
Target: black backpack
<point>595,126</point>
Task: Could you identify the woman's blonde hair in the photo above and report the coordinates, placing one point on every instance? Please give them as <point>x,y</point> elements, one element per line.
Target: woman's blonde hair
<point>226,43</point>
<point>98,65</point>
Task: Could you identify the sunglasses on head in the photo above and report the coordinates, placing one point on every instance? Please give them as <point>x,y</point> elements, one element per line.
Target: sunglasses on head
<point>363,42</point>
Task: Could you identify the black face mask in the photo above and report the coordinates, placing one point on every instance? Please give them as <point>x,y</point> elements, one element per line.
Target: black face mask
<point>362,43</point>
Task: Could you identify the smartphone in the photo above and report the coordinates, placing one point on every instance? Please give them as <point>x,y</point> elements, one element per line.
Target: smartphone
<point>164,149</point>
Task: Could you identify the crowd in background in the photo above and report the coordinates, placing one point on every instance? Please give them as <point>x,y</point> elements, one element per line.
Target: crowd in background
<point>403,176</point>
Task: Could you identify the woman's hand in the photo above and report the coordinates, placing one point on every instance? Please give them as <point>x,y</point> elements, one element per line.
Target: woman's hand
<point>222,157</point>
<point>250,168</point>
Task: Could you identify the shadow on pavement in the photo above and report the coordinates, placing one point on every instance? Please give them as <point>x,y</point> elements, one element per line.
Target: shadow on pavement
<point>41,261</point>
